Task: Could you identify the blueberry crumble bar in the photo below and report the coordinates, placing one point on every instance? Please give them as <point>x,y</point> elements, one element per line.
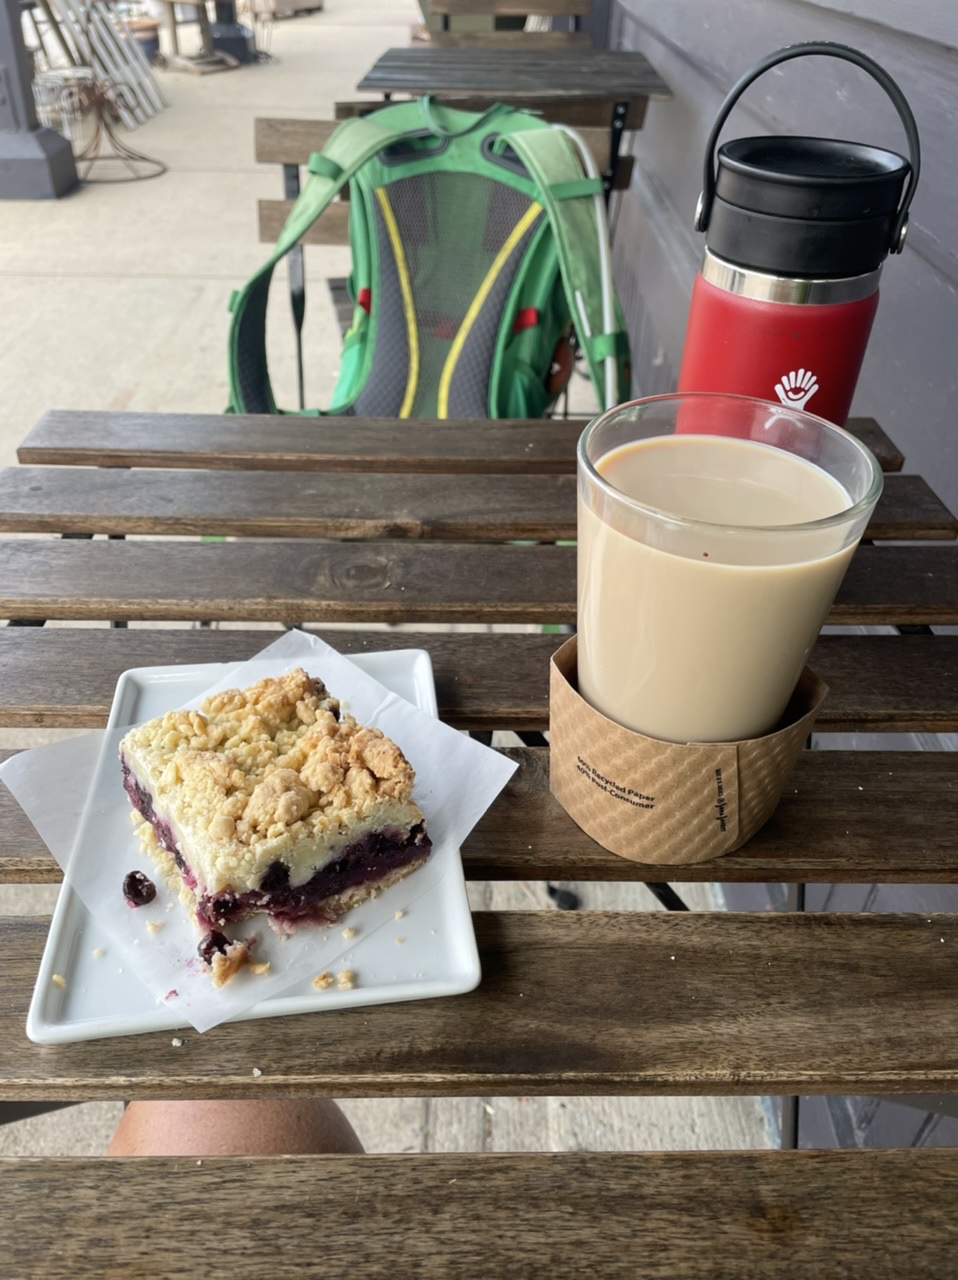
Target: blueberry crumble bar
<point>272,800</point>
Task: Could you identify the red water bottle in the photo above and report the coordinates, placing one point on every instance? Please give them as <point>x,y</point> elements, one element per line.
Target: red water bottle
<point>797,231</point>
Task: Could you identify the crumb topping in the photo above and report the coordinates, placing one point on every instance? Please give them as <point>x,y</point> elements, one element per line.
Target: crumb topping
<point>323,980</point>
<point>273,765</point>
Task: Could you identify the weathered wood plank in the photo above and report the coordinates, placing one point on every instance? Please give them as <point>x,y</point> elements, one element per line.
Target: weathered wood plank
<point>518,74</point>
<point>846,818</point>
<point>862,1215</point>
<point>580,112</point>
<point>277,504</point>
<point>281,141</point>
<point>300,580</point>
<point>547,8</point>
<point>570,1002</point>
<point>59,677</point>
<point>279,210</point>
<point>557,41</point>
<point>81,438</point>
<point>332,227</point>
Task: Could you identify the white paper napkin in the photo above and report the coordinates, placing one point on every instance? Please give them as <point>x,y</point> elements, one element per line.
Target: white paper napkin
<point>85,823</point>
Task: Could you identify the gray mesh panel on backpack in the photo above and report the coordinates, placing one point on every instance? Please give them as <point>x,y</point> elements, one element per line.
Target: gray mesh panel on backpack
<point>451,227</point>
<point>385,388</point>
<point>470,383</point>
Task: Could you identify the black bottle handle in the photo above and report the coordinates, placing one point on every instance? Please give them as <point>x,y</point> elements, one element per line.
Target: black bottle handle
<point>829,49</point>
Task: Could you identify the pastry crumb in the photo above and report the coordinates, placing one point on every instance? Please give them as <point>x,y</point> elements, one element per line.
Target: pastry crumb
<point>349,932</point>
<point>256,1072</point>
<point>176,1042</point>
<point>346,980</point>
<point>98,953</point>
<point>322,981</point>
<point>400,942</point>
<point>136,817</point>
<point>154,926</point>
<point>399,915</point>
<point>58,980</point>
<point>261,968</point>
<point>225,965</point>
<point>199,1163</point>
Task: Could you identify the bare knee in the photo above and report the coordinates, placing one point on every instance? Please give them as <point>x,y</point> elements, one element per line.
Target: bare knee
<point>283,1126</point>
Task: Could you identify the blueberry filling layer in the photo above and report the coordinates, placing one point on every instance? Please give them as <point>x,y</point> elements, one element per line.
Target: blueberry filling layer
<point>142,801</point>
<point>366,861</point>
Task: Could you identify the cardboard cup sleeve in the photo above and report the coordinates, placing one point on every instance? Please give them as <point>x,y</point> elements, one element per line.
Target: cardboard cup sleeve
<point>667,802</point>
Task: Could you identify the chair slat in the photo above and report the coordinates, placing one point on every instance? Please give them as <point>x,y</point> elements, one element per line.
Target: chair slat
<point>856,1214</point>
<point>555,41</point>
<point>582,112</point>
<point>570,1002</point>
<point>238,442</point>
<point>540,8</point>
<point>60,677</point>
<point>274,504</point>
<point>280,141</point>
<point>527,836</point>
<point>299,580</point>
<point>332,227</point>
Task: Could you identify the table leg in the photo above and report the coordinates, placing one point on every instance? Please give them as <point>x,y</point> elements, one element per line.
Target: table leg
<point>619,113</point>
<point>790,1124</point>
<point>206,35</point>
<point>666,895</point>
<point>171,29</point>
<point>794,901</point>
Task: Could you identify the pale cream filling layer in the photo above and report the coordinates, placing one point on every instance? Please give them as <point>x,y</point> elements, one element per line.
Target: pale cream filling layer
<point>221,865</point>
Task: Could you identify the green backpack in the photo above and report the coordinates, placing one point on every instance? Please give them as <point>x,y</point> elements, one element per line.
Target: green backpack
<point>478,243</point>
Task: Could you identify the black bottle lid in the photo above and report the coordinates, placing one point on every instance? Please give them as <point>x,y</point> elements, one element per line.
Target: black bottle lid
<point>805,206</point>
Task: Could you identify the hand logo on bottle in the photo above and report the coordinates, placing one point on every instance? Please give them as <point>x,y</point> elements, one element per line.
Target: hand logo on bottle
<point>797,388</point>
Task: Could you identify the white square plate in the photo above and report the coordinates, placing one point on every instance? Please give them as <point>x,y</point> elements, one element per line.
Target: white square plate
<point>438,958</point>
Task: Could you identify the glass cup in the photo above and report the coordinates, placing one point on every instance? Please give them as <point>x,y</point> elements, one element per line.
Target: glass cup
<point>713,533</point>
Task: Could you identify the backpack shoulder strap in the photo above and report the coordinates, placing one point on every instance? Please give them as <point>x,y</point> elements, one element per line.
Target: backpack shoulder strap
<point>354,143</point>
<point>573,196</point>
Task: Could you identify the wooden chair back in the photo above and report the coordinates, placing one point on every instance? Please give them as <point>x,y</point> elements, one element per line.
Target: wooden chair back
<point>570,40</point>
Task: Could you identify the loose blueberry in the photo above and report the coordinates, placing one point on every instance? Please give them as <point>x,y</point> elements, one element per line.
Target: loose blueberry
<point>211,943</point>
<point>138,889</point>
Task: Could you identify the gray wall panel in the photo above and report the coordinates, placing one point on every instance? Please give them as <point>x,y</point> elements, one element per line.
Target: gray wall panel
<point>910,377</point>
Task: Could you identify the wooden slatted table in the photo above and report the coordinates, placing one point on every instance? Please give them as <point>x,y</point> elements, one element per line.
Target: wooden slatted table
<point>598,87</point>
<point>345,521</point>
<point>542,79</point>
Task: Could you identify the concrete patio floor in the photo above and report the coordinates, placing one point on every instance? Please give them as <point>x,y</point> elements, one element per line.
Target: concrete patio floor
<point>115,298</point>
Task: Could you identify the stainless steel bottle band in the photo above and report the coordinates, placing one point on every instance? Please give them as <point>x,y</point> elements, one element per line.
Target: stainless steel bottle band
<point>768,288</point>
